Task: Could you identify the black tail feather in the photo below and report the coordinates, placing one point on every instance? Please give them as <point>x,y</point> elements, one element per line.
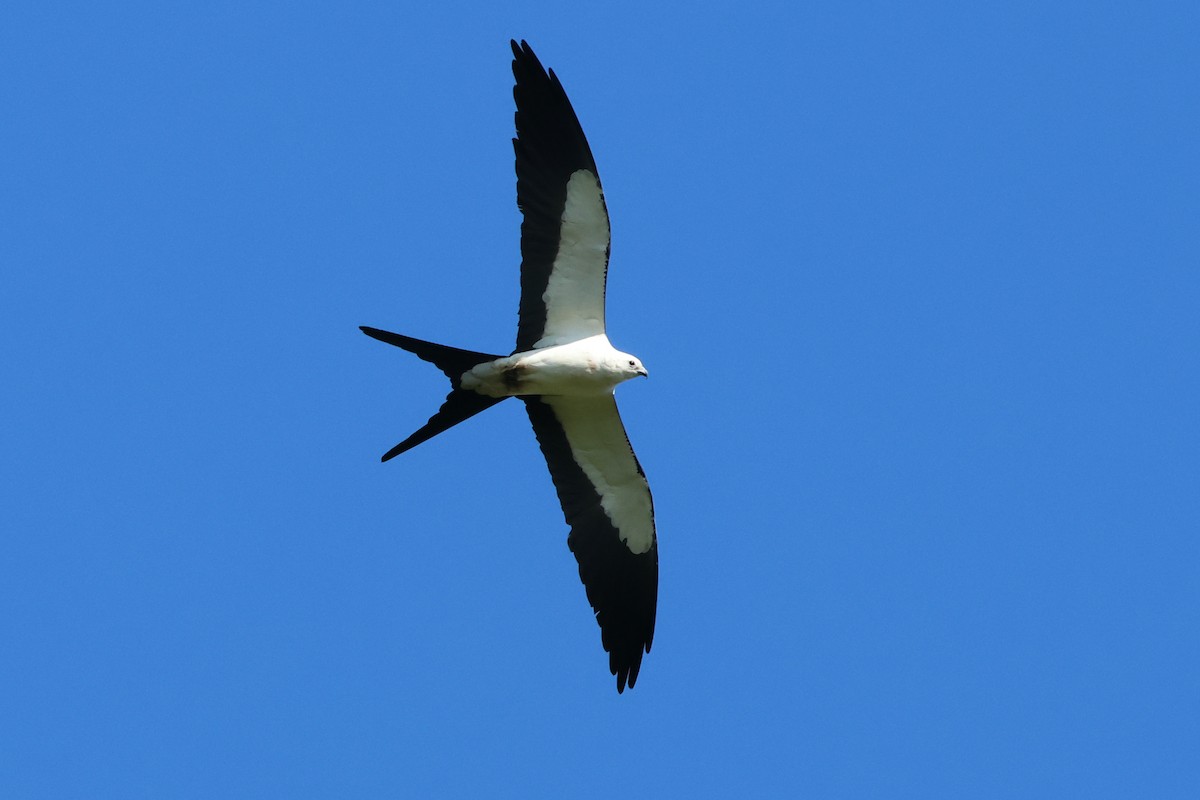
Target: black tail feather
<point>450,360</point>
<point>460,404</point>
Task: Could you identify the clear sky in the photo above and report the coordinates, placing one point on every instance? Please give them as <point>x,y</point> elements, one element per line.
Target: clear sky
<point>918,287</point>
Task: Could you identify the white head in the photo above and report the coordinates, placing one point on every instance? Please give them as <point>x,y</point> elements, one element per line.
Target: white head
<point>629,366</point>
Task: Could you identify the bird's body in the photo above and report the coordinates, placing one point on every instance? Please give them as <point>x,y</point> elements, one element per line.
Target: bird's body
<point>564,369</point>
<point>588,366</point>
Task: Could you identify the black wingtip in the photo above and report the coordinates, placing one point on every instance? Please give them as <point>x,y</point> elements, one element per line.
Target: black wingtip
<point>524,53</point>
<point>627,674</point>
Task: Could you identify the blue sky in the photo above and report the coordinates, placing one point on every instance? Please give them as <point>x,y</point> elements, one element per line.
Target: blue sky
<point>917,285</point>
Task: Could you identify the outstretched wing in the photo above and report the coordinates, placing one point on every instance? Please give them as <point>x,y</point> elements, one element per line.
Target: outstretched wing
<point>607,503</point>
<point>565,232</point>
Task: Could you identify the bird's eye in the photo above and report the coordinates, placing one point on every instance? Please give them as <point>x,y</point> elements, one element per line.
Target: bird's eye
<point>631,363</point>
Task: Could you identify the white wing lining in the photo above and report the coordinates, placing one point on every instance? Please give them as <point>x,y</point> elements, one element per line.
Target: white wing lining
<point>599,445</point>
<point>574,295</point>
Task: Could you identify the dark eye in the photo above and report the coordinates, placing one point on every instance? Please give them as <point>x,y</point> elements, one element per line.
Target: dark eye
<point>631,363</point>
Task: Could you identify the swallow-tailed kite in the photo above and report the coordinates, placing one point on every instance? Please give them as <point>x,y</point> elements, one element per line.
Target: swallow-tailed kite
<point>564,368</point>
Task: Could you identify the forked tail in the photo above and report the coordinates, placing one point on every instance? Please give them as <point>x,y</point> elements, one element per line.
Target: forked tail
<point>460,404</point>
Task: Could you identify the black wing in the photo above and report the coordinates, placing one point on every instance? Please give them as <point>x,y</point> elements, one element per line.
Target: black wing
<point>607,503</point>
<point>565,232</point>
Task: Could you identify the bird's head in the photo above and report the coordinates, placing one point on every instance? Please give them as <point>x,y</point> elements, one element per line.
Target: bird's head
<point>631,366</point>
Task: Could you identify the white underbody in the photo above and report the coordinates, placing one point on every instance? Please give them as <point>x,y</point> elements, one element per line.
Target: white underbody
<point>590,366</point>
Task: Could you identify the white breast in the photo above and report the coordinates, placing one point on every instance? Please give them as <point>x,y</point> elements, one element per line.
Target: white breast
<point>585,367</point>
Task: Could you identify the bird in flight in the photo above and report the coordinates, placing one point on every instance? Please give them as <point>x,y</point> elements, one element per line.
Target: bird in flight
<point>564,369</point>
